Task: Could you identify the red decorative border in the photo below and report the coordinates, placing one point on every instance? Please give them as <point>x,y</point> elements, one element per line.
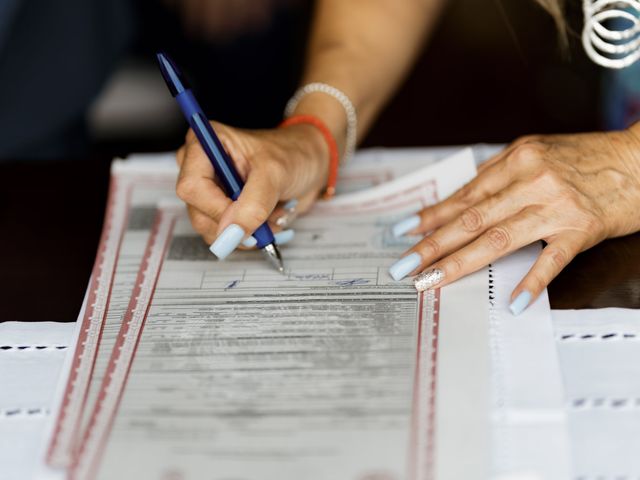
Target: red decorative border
<point>416,426</point>
<point>415,407</point>
<point>413,437</point>
<point>382,204</point>
<point>79,351</point>
<point>431,428</point>
<point>115,353</point>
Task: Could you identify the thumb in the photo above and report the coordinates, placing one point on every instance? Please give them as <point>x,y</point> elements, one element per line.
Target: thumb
<point>257,200</point>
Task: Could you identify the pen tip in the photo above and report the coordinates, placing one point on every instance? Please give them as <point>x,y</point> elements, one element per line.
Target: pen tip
<point>273,255</point>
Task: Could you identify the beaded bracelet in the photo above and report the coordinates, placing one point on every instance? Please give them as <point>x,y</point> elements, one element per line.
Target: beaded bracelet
<point>340,96</point>
<point>331,143</point>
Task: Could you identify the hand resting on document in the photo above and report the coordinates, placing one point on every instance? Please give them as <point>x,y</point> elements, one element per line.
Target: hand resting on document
<point>571,191</point>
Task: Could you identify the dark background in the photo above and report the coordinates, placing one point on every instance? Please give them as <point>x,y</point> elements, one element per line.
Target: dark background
<point>492,71</point>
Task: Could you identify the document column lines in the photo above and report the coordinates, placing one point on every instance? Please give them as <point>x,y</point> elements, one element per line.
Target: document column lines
<point>422,433</point>
<point>86,462</point>
<point>67,423</point>
<point>431,428</point>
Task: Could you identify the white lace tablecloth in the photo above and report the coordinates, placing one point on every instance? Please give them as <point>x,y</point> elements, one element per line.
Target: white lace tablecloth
<point>599,353</point>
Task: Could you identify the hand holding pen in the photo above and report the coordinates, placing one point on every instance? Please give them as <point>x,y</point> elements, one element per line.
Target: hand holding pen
<point>275,166</point>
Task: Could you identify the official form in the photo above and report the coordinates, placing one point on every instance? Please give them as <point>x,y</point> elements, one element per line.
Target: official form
<point>326,372</point>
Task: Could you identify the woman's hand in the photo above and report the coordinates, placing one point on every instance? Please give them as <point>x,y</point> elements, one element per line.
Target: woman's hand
<point>572,191</point>
<point>278,166</point>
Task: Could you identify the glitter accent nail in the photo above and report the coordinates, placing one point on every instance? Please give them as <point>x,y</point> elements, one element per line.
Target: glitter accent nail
<point>428,279</point>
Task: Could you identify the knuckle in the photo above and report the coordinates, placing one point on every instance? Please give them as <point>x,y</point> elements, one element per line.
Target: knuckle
<point>278,173</point>
<point>431,246</point>
<point>466,195</point>
<point>558,257</point>
<point>255,213</point>
<point>551,179</point>
<point>471,220</point>
<point>527,155</point>
<point>537,283</point>
<point>186,188</point>
<point>499,238</point>
<point>200,223</point>
<point>456,264</point>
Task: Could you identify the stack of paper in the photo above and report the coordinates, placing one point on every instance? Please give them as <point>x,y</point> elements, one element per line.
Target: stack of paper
<point>185,365</point>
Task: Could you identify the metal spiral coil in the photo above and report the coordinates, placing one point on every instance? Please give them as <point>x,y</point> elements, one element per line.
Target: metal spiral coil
<point>611,34</point>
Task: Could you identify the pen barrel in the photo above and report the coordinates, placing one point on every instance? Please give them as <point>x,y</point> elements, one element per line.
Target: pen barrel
<point>263,235</point>
<point>222,163</point>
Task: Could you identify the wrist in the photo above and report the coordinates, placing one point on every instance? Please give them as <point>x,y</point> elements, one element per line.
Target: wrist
<point>312,152</point>
<point>329,111</point>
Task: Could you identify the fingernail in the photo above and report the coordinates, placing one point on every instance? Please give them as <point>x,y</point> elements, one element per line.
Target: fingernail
<point>291,204</point>
<point>404,266</point>
<point>428,279</point>
<point>285,220</point>
<point>228,241</point>
<point>406,225</point>
<point>249,242</point>
<point>290,213</point>
<point>520,303</point>
<point>284,237</point>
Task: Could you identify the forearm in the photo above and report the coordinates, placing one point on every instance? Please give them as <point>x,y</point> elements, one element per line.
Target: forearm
<point>364,48</point>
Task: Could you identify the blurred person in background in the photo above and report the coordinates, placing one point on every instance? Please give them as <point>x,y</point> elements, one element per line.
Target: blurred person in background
<point>56,57</point>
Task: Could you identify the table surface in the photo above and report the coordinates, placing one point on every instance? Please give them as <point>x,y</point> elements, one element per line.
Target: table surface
<point>51,217</point>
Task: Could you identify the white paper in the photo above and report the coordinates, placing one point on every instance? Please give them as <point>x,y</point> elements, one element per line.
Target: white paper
<point>600,358</point>
<point>365,173</point>
<point>530,424</point>
<point>31,360</point>
<point>137,184</point>
<point>33,334</point>
<point>371,408</point>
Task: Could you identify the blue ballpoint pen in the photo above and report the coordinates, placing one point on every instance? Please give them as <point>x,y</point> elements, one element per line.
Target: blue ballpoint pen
<point>222,163</point>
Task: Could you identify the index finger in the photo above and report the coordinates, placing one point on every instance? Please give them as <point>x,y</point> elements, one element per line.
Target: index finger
<point>196,185</point>
<point>485,185</point>
<point>257,200</point>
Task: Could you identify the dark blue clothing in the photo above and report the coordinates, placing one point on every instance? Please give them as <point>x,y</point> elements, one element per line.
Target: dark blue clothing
<point>54,58</point>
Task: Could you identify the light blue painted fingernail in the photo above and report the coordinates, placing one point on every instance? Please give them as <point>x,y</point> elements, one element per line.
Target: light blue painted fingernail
<point>406,225</point>
<point>520,303</point>
<point>284,236</point>
<point>249,242</point>
<point>228,241</point>
<point>404,266</point>
<point>291,204</point>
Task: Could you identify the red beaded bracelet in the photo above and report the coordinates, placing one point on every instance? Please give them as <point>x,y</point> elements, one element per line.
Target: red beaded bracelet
<point>331,143</point>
